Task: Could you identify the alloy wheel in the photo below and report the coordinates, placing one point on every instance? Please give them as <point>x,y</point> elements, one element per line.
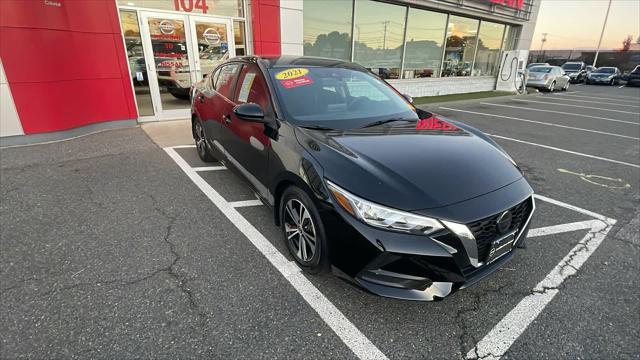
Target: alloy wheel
<point>300,230</point>
<point>199,132</point>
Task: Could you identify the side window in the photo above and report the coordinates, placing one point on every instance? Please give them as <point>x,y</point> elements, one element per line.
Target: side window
<point>226,79</point>
<point>252,88</point>
<point>214,78</point>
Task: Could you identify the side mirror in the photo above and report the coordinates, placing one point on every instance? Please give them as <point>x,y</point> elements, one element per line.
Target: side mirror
<point>250,112</point>
<point>408,98</point>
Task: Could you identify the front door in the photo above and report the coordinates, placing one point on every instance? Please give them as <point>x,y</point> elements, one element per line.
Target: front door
<point>180,50</point>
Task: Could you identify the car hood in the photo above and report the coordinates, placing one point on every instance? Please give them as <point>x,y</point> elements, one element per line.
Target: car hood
<point>411,166</point>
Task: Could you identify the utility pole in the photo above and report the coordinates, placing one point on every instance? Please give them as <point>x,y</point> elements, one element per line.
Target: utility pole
<point>384,37</point>
<point>595,59</point>
<point>544,39</point>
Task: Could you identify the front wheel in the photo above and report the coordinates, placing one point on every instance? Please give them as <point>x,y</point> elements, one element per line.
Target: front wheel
<point>566,86</point>
<point>201,144</point>
<point>303,231</point>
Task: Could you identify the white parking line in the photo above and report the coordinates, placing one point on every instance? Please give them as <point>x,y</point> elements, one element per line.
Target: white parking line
<point>246,203</point>
<point>542,123</point>
<point>585,101</point>
<point>621,86</point>
<point>635,101</point>
<point>506,332</point>
<point>183,146</point>
<point>210,168</point>
<point>556,229</point>
<point>566,151</point>
<point>361,346</point>
<point>562,112</point>
<point>617,98</point>
<point>580,106</point>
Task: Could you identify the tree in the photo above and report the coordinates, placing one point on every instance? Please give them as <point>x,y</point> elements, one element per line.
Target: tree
<point>626,44</point>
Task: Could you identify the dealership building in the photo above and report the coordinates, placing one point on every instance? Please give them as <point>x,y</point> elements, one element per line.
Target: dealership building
<point>75,66</point>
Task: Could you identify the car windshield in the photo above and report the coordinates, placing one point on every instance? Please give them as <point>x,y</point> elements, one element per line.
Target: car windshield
<point>337,97</point>
<point>606,70</point>
<point>572,66</point>
<point>541,69</point>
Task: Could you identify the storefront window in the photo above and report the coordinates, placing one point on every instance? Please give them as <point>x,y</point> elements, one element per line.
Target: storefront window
<point>210,7</point>
<point>327,29</point>
<point>239,38</point>
<point>425,35</point>
<point>489,44</point>
<point>137,65</point>
<point>379,35</point>
<point>460,46</point>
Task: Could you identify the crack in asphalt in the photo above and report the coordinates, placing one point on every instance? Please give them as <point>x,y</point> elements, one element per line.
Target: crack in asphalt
<point>180,280</point>
<point>459,316</point>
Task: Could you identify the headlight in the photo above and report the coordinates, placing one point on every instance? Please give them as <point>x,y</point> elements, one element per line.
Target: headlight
<point>382,216</point>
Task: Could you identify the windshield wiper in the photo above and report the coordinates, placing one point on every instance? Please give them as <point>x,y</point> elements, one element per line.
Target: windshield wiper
<point>380,122</point>
<point>315,127</point>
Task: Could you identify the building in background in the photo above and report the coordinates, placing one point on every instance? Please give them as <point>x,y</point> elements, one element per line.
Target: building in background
<point>100,61</point>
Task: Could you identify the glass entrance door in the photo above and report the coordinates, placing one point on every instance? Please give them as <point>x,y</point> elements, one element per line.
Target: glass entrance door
<point>178,50</point>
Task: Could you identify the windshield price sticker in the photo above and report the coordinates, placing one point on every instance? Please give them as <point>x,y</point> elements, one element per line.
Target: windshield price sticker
<point>292,73</point>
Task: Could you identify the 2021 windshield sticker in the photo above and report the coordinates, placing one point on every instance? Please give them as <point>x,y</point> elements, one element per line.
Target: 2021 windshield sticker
<point>292,78</point>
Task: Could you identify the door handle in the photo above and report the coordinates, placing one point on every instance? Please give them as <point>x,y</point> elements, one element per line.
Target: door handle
<point>227,119</point>
<point>201,98</point>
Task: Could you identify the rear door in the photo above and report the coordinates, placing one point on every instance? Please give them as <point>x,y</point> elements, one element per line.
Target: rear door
<point>248,146</point>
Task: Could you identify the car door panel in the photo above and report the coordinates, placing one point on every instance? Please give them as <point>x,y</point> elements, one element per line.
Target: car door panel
<point>221,105</point>
<point>247,144</point>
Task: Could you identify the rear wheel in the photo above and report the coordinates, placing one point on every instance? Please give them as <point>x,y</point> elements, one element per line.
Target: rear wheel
<point>552,86</point>
<point>303,231</point>
<point>201,145</point>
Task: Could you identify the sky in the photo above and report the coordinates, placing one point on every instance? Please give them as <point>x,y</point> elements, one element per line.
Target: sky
<point>574,24</point>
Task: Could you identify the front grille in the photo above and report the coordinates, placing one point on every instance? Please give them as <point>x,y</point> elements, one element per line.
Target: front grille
<point>485,230</point>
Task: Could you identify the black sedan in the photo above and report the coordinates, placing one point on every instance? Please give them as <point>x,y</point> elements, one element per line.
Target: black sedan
<point>402,202</point>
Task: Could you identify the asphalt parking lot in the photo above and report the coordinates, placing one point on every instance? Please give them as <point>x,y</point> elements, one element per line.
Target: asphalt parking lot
<point>113,247</point>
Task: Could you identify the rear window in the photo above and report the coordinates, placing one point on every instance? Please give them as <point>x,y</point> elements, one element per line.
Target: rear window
<point>541,69</point>
<point>572,66</point>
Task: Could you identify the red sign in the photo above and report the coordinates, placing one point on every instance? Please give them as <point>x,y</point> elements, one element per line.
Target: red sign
<point>516,4</point>
<point>293,83</point>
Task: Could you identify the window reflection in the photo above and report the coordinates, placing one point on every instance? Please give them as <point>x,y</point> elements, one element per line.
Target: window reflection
<point>327,29</point>
<point>460,46</point>
<point>489,43</point>
<point>378,35</point>
<point>137,65</point>
<point>239,37</point>
<point>425,35</point>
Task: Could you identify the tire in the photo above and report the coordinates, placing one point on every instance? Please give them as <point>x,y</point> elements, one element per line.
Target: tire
<point>611,82</point>
<point>300,222</point>
<point>566,86</point>
<point>552,86</point>
<point>201,143</point>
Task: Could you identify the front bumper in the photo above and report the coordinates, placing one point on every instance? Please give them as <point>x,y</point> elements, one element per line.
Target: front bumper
<point>599,80</point>
<point>414,267</point>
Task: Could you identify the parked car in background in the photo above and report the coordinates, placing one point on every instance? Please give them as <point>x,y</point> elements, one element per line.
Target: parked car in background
<point>605,75</point>
<point>589,70</point>
<point>537,64</point>
<point>633,79</point>
<point>576,70</point>
<point>548,78</point>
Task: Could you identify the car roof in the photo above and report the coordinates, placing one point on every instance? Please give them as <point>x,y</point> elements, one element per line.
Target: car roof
<point>292,60</point>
